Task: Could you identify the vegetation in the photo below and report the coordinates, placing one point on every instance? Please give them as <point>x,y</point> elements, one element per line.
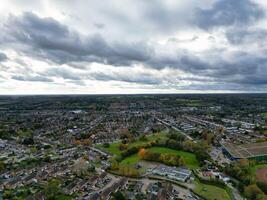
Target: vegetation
<point>2,166</point>
<point>166,158</point>
<point>254,192</point>
<point>210,192</point>
<point>19,193</point>
<point>117,196</point>
<point>114,148</point>
<point>244,171</point>
<point>53,191</point>
<point>189,158</point>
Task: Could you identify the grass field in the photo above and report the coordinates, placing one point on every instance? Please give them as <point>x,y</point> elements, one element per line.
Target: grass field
<point>210,192</point>
<point>264,115</point>
<point>190,159</point>
<point>114,147</point>
<point>260,172</point>
<point>257,167</point>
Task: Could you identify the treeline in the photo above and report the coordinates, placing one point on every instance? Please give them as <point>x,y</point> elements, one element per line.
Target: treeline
<point>166,158</point>
<point>174,141</point>
<point>252,189</point>
<point>177,142</point>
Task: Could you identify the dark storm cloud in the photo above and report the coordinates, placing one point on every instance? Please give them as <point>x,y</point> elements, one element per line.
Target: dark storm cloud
<point>51,40</point>
<point>229,12</point>
<point>31,78</point>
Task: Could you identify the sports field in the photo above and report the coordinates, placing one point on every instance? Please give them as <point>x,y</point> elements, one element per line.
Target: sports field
<point>260,172</point>
<point>247,150</point>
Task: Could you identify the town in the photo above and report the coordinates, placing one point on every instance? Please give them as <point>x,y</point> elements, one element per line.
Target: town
<point>100,147</point>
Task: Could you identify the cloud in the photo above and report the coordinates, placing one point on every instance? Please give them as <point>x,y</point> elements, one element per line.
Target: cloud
<point>51,40</point>
<point>3,57</point>
<point>227,13</point>
<point>62,73</point>
<point>247,36</point>
<point>131,77</point>
<point>219,44</point>
<point>31,78</point>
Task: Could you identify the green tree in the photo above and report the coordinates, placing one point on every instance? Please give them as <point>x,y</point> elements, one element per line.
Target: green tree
<point>52,189</point>
<point>118,196</point>
<point>2,166</point>
<point>252,191</point>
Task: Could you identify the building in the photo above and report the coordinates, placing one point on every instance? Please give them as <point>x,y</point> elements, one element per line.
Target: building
<point>174,173</point>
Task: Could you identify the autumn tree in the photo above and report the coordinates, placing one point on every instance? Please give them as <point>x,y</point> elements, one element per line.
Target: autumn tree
<point>142,153</point>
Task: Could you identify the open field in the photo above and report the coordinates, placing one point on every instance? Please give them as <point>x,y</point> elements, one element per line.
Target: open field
<point>114,147</point>
<point>210,192</point>
<point>131,160</point>
<point>247,150</point>
<point>190,159</point>
<point>260,172</point>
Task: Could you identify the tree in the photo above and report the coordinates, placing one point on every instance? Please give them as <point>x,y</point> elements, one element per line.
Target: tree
<point>28,141</point>
<point>2,166</point>
<point>114,165</point>
<point>118,196</point>
<point>128,171</point>
<point>142,153</point>
<point>189,145</point>
<point>52,189</point>
<point>87,142</point>
<point>77,142</point>
<point>182,161</point>
<point>123,146</point>
<point>143,138</point>
<point>262,186</point>
<point>252,191</point>
<point>106,145</point>
<point>208,137</point>
<point>81,167</point>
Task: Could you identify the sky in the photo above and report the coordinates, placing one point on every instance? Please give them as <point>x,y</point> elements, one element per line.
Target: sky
<point>137,46</point>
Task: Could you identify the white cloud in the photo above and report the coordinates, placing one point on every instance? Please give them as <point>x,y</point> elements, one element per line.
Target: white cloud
<point>132,46</point>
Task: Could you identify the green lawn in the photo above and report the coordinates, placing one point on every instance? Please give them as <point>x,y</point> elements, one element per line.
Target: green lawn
<point>131,160</point>
<point>210,192</point>
<point>264,114</point>
<point>114,147</point>
<point>190,159</point>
